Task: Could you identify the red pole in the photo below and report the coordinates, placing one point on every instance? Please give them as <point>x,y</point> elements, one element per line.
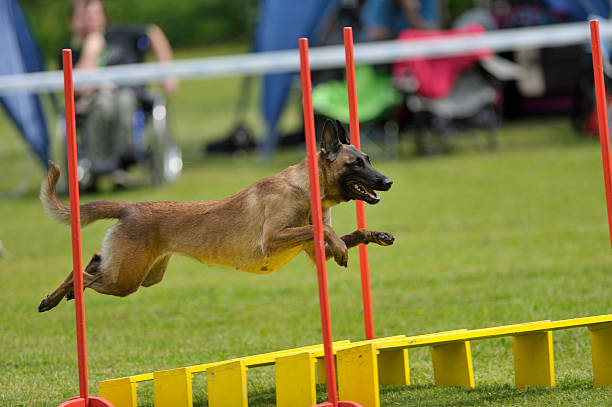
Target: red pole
<point>77,262</point>
<point>317,221</point>
<point>317,225</point>
<point>359,205</point>
<point>602,117</point>
<point>75,223</point>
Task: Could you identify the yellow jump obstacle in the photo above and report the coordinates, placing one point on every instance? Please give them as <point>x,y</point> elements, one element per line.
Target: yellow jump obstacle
<point>362,366</point>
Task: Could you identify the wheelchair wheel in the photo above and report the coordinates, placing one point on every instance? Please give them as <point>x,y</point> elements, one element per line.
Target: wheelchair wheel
<point>165,158</point>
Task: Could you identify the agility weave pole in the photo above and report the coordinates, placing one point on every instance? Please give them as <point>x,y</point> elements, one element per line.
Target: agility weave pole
<point>84,400</point>
<point>602,117</point>
<point>359,205</point>
<point>317,224</point>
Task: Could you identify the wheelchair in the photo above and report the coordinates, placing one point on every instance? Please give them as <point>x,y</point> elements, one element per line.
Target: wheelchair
<point>152,146</point>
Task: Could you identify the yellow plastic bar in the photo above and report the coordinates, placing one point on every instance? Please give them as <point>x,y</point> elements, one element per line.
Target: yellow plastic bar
<point>264,359</point>
<point>578,322</point>
<point>358,375</point>
<point>466,335</point>
<point>508,330</point>
<point>601,354</point>
<point>393,368</point>
<point>295,380</point>
<point>172,388</point>
<point>533,360</point>
<point>120,392</point>
<point>227,386</point>
<point>452,363</point>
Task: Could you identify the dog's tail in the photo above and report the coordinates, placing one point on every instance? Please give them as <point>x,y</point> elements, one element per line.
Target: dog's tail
<point>60,212</point>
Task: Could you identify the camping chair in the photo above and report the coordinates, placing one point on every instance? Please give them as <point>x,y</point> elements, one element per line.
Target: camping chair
<point>377,101</point>
<point>449,96</point>
<point>471,106</point>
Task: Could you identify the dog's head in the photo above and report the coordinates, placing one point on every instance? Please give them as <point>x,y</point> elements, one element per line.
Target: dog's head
<point>348,171</point>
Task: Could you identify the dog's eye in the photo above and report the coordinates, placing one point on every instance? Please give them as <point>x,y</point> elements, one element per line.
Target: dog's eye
<point>357,163</point>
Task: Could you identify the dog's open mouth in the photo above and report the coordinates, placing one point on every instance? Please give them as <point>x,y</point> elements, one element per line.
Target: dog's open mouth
<point>364,193</point>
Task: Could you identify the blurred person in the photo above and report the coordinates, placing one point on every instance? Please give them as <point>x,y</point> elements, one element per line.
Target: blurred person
<point>385,19</point>
<point>107,111</point>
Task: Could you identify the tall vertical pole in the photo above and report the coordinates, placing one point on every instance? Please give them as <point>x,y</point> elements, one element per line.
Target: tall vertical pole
<point>77,262</point>
<point>317,221</point>
<point>602,118</point>
<point>75,223</point>
<point>360,207</point>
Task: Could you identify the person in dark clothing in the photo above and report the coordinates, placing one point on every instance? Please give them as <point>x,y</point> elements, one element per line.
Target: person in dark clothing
<point>107,111</point>
<point>385,19</point>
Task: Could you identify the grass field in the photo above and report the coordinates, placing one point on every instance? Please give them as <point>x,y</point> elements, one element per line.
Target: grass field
<point>482,239</point>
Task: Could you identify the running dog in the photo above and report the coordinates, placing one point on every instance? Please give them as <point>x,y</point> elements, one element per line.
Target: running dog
<point>258,230</point>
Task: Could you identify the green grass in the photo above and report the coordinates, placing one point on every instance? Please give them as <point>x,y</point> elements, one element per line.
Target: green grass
<point>482,239</point>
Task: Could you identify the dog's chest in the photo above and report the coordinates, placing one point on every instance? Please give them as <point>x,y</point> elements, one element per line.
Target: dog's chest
<point>278,259</point>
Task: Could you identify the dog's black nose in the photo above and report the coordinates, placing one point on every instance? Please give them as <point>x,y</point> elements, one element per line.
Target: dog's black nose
<point>386,183</point>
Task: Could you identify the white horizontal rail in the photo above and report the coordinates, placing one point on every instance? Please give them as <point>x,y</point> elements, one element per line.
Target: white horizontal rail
<point>320,58</point>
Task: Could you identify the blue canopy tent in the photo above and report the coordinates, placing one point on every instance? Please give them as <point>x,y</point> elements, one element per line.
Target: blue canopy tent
<point>20,55</point>
<point>280,24</point>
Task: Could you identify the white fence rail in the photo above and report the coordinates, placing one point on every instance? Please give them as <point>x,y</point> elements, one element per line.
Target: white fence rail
<point>320,58</point>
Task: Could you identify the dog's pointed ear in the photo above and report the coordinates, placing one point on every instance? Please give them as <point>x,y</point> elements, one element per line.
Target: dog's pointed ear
<point>330,144</point>
<point>343,136</point>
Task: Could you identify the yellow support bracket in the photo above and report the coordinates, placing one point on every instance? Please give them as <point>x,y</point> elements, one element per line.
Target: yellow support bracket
<point>358,375</point>
<point>452,364</point>
<point>320,370</point>
<point>120,392</point>
<point>295,380</point>
<point>601,354</point>
<point>172,388</point>
<point>227,385</point>
<point>533,360</point>
<point>379,342</point>
<point>393,368</point>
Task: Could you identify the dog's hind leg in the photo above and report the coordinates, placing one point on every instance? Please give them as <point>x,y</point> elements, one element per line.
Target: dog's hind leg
<point>51,300</point>
<point>92,268</point>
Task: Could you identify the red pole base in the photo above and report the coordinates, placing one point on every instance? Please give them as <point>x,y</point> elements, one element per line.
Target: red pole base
<point>340,404</point>
<point>80,402</point>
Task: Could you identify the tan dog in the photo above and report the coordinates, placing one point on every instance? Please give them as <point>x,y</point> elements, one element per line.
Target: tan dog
<point>258,230</point>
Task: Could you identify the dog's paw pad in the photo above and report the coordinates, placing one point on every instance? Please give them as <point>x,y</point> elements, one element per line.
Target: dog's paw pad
<point>341,258</point>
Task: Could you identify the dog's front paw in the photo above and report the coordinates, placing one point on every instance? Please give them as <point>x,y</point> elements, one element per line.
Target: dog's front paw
<point>382,238</point>
<point>341,254</point>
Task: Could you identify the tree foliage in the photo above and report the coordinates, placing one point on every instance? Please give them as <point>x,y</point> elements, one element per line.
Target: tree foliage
<point>187,23</point>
